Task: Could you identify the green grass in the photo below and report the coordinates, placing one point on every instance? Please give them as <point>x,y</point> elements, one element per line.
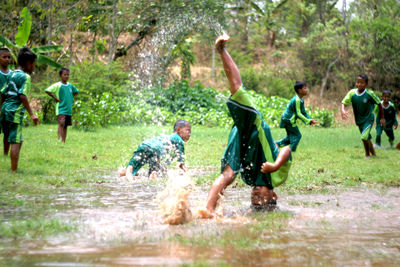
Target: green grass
<point>326,159</point>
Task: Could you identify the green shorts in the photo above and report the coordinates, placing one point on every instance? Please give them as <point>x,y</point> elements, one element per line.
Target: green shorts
<point>365,130</point>
<point>250,144</point>
<point>12,130</point>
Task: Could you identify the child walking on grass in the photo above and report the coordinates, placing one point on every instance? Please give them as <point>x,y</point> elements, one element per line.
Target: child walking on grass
<point>154,150</point>
<point>389,111</point>
<point>5,73</point>
<point>251,149</point>
<point>363,101</point>
<point>15,102</point>
<point>295,110</point>
<point>63,92</point>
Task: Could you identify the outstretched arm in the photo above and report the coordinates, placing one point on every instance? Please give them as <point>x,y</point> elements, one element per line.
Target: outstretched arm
<point>230,68</point>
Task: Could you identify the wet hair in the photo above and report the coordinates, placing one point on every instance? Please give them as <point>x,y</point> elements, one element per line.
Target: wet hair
<point>4,49</point>
<point>364,77</point>
<point>180,124</point>
<point>25,55</point>
<point>386,92</point>
<point>298,85</point>
<point>62,70</point>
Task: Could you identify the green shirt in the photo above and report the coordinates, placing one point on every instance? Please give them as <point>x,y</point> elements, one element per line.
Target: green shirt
<point>295,110</point>
<point>390,115</point>
<point>4,80</point>
<point>363,104</point>
<point>19,84</point>
<point>171,145</point>
<point>64,92</point>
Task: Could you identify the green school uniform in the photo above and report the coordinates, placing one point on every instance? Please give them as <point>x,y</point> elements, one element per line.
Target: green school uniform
<point>294,110</point>
<point>363,106</point>
<point>12,111</point>
<point>389,113</point>
<point>152,151</point>
<point>250,144</point>
<point>4,80</point>
<point>64,92</point>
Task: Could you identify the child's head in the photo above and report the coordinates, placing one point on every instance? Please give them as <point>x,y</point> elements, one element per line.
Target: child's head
<point>362,82</point>
<point>386,94</point>
<point>261,196</point>
<point>183,129</point>
<point>26,60</point>
<point>301,88</point>
<point>5,57</point>
<point>64,74</point>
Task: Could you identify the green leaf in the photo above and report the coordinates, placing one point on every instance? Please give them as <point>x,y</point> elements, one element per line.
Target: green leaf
<point>47,49</point>
<point>6,42</point>
<point>24,28</point>
<point>43,60</point>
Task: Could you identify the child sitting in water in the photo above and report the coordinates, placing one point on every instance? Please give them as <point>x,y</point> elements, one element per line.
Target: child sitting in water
<point>152,151</point>
<point>251,149</point>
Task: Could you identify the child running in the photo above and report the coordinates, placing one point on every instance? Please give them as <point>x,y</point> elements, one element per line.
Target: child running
<point>363,101</point>
<point>152,151</point>
<point>63,92</point>
<point>251,149</point>
<point>5,73</point>
<point>295,110</point>
<point>389,111</point>
<point>15,102</point>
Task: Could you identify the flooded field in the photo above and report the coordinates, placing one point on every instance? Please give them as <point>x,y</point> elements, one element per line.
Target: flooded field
<point>119,224</point>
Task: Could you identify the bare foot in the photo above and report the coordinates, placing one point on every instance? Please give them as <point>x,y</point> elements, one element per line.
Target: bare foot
<point>204,213</point>
<point>220,42</point>
<point>153,175</point>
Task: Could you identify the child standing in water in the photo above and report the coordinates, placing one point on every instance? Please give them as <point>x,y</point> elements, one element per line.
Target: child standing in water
<point>16,102</point>
<point>295,110</point>
<point>363,101</point>
<point>389,111</point>
<point>251,149</point>
<point>63,92</point>
<point>152,151</point>
<point>5,73</point>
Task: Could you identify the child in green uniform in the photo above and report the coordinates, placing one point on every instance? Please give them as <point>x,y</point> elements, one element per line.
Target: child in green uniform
<point>15,103</point>
<point>251,149</point>
<point>295,110</point>
<point>5,60</point>
<point>63,92</point>
<point>389,111</point>
<point>363,101</point>
<point>152,151</point>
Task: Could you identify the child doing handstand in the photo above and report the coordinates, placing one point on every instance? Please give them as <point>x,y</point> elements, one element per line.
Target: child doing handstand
<point>363,101</point>
<point>251,149</point>
<point>152,151</point>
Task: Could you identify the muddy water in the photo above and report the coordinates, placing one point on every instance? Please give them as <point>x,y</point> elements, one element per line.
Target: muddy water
<point>119,225</point>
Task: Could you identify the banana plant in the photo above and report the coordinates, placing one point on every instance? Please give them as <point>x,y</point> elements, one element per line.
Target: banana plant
<point>22,39</point>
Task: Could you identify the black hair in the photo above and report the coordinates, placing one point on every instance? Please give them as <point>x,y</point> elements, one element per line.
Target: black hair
<point>386,92</point>
<point>364,77</point>
<point>180,124</point>
<point>4,49</point>
<point>25,55</point>
<point>298,85</point>
<point>61,71</point>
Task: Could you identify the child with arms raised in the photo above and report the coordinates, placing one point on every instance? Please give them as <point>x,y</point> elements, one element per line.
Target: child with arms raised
<point>363,101</point>
<point>63,92</point>
<point>251,149</point>
<point>391,122</point>
<point>5,60</point>
<point>152,151</point>
<point>295,110</point>
<point>16,102</point>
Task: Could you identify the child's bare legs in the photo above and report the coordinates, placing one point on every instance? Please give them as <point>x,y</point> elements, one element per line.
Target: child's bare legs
<point>14,155</point>
<point>6,145</point>
<point>219,185</point>
<point>62,132</point>
<point>283,157</point>
<point>369,148</point>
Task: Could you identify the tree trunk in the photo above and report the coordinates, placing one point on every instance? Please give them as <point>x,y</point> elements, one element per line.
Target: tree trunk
<point>49,36</point>
<point>70,43</point>
<point>213,62</point>
<point>93,46</point>
<point>324,81</point>
<point>113,37</point>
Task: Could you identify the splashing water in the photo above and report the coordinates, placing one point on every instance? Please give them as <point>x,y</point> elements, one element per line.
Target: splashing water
<point>174,199</point>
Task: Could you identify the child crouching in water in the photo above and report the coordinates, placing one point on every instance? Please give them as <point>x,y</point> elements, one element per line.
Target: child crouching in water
<point>154,150</point>
<point>251,149</point>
